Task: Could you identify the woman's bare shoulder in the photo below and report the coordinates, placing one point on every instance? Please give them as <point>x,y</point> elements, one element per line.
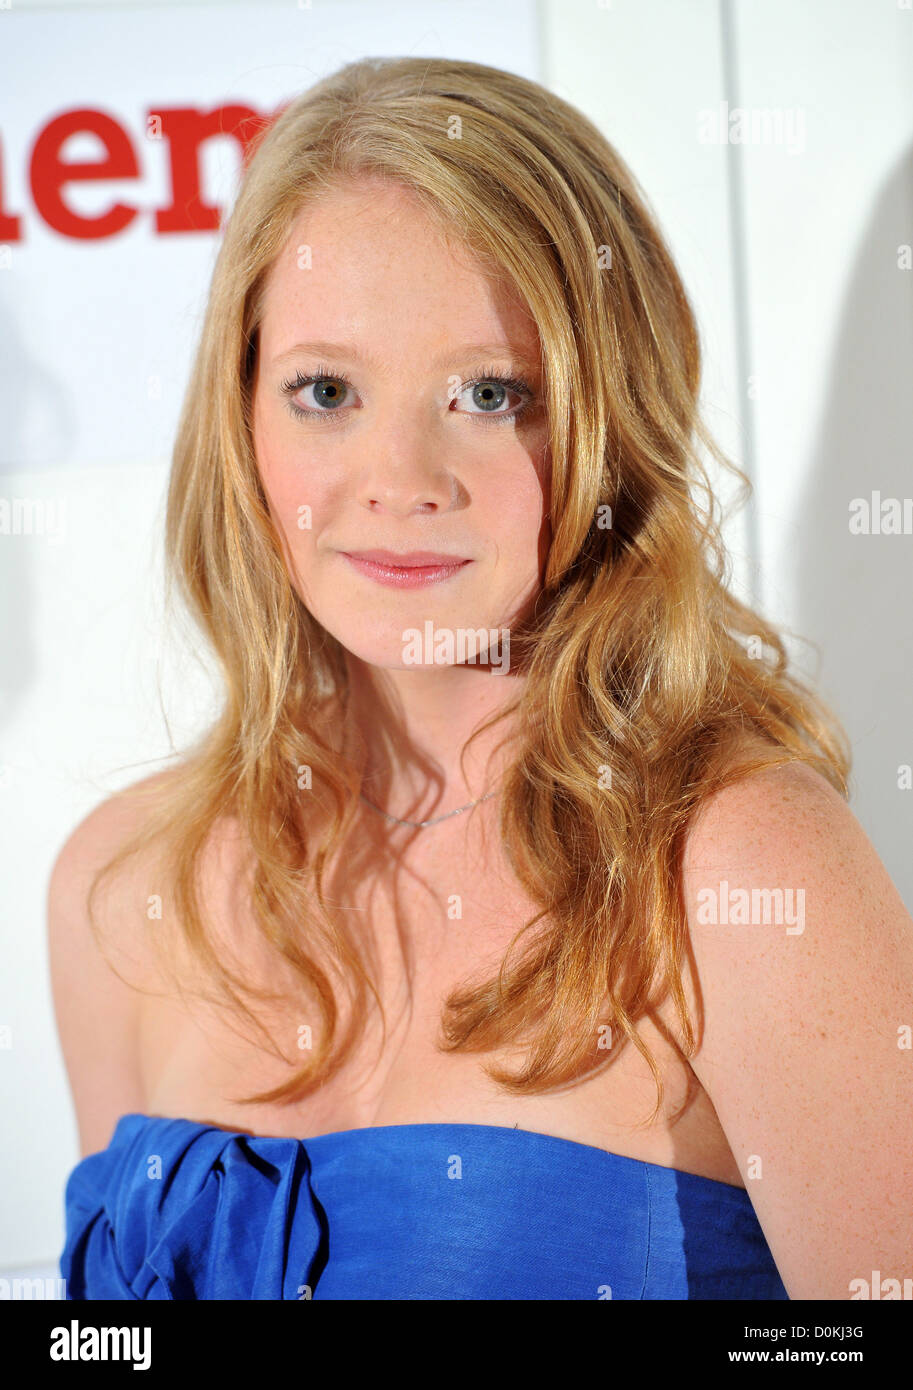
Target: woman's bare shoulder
<point>98,965</point>
<point>755,789</point>
<point>92,844</point>
<point>803,950</point>
<point>134,900</point>
<point>105,965</point>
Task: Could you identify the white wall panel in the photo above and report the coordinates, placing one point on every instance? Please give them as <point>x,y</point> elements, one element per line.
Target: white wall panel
<point>643,71</point>
<point>831,333</point>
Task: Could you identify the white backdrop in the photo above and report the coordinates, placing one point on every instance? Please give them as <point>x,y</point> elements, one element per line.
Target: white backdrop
<point>791,251</point>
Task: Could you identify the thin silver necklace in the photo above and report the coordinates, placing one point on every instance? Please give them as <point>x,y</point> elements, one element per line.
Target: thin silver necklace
<point>435,820</point>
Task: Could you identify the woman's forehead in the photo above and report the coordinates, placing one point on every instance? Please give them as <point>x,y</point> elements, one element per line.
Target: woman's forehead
<point>347,279</point>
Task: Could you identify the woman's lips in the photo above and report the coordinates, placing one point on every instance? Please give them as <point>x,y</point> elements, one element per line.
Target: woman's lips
<point>404,576</point>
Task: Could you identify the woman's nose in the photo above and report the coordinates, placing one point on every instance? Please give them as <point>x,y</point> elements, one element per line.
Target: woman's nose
<point>403,470</point>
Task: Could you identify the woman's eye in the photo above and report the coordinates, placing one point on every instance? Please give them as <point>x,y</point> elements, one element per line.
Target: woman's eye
<point>489,395</point>
<point>329,392</point>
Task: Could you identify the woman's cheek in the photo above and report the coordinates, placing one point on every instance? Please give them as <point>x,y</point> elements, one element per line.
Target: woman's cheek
<point>292,506</point>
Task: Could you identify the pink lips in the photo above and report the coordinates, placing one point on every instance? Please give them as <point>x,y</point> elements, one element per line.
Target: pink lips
<point>410,571</point>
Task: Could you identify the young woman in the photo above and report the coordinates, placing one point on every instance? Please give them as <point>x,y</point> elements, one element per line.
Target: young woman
<point>508,935</point>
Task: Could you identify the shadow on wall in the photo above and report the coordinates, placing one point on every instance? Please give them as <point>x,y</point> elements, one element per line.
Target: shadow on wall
<point>854,592</point>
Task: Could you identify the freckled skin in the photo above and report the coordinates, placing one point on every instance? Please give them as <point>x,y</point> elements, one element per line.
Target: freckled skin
<point>401,466</point>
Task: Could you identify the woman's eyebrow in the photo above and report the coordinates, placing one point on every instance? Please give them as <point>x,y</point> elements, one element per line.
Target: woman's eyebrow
<point>352,353</point>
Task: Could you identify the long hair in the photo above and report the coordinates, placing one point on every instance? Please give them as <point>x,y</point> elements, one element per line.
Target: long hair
<point>642,670</point>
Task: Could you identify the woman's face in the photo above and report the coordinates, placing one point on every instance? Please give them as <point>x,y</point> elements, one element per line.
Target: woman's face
<point>420,449</point>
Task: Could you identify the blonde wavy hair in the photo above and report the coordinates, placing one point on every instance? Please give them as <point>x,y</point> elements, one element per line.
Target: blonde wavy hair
<point>637,659</point>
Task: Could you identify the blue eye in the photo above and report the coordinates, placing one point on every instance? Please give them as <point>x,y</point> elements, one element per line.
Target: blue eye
<point>330,392</point>
<point>489,391</point>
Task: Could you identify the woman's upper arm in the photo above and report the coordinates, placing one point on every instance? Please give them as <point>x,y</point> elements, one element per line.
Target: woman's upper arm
<point>95,1010</point>
<point>808,1006</point>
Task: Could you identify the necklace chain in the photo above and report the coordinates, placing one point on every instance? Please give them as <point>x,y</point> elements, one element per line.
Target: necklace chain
<point>435,820</point>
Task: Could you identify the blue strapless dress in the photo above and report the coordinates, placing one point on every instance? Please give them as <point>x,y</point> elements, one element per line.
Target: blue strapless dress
<point>175,1209</point>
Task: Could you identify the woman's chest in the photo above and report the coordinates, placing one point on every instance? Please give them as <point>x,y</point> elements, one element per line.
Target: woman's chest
<point>432,926</point>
